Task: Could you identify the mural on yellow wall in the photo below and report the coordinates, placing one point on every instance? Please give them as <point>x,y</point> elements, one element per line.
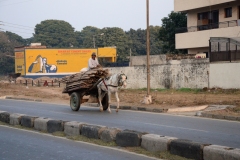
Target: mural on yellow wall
<point>40,65</point>
<point>56,61</point>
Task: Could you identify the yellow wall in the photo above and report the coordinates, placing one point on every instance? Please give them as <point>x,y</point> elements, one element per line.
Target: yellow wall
<point>109,53</point>
<point>59,61</point>
<point>19,63</point>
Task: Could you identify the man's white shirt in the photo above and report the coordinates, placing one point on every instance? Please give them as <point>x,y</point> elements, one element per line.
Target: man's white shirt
<point>92,63</point>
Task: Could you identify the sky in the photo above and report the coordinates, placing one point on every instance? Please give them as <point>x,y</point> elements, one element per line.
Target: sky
<point>21,16</point>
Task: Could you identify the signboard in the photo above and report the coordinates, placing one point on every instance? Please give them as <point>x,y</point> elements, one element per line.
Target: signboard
<point>56,61</point>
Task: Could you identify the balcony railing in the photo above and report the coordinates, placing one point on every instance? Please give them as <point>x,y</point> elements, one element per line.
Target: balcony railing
<point>208,27</point>
<point>225,56</point>
<point>224,49</point>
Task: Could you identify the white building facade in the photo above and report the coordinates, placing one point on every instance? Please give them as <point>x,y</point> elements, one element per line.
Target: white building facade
<point>205,19</point>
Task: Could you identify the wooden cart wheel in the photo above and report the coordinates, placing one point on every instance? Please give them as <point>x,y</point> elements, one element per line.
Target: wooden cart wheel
<point>75,101</point>
<point>105,102</point>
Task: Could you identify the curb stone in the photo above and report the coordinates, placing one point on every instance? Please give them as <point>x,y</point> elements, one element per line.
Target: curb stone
<point>15,118</point>
<point>156,143</point>
<point>73,128</point>
<point>28,121</point>
<point>215,116</point>
<point>4,117</point>
<point>218,116</point>
<point>55,125</point>
<point>238,118</point>
<point>232,118</point>
<point>135,108</point>
<point>109,134</point>
<point>185,148</point>
<point>125,107</point>
<point>23,99</point>
<point>129,138</point>
<point>215,152</point>
<point>92,131</point>
<point>40,123</point>
<point>207,115</point>
<point>141,109</point>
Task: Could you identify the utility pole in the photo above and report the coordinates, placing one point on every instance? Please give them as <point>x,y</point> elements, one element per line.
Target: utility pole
<point>130,57</point>
<point>148,97</point>
<point>93,41</point>
<point>148,52</point>
<point>94,38</point>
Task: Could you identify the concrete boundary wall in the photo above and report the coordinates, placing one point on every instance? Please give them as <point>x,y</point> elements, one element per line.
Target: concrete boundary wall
<point>186,73</point>
<point>126,138</point>
<point>224,75</point>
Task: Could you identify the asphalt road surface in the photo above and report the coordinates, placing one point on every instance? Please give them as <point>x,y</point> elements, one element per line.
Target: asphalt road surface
<point>21,144</point>
<point>210,131</point>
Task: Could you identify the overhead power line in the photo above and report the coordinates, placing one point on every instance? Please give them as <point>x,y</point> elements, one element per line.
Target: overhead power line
<point>18,27</point>
<point>12,25</point>
<point>15,3</point>
<point>42,35</point>
<point>15,31</point>
<point>15,24</point>
<point>2,0</point>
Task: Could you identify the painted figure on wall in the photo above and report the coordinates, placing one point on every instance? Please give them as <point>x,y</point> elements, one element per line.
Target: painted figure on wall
<point>40,65</point>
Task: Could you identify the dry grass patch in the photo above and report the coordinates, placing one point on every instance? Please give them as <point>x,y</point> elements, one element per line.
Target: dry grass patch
<point>162,155</point>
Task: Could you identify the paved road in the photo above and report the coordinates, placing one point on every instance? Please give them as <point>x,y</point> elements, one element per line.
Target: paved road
<point>204,130</point>
<point>21,144</point>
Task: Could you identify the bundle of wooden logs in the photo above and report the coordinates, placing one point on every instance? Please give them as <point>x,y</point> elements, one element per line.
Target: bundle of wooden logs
<point>83,80</point>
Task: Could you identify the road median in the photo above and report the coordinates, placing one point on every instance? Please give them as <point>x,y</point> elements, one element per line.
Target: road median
<point>125,138</point>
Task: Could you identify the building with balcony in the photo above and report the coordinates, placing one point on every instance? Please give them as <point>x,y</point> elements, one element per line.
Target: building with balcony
<point>206,19</point>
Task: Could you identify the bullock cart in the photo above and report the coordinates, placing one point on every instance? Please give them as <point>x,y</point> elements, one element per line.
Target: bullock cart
<point>81,87</point>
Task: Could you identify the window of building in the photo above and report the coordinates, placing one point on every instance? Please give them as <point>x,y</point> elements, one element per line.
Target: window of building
<point>208,20</point>
<point>228,12</point>
<point>203,15</point>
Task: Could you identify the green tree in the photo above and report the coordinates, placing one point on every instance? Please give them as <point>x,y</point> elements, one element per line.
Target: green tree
<point>28,41</point>
<point>116,37</point>
<point>138,41</point>
<point>167,31</point>
<point>106,37</point>
<point>15,39</point>
<point>155,43</point>
<point>8,41</point>
<point>85,37</point>
<point>55,34</point>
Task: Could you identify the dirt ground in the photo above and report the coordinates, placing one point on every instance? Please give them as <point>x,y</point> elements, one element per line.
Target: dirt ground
<point>162,98</point>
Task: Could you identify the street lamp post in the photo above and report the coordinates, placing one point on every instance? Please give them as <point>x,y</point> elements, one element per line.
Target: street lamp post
<point>94,38</point>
